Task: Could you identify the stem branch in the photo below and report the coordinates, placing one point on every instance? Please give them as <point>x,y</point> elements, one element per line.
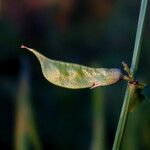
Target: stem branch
<point>130,88</point>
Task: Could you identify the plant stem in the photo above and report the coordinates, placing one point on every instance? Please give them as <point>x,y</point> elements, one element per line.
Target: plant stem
<point>138,40</point>
<point>130,88</point>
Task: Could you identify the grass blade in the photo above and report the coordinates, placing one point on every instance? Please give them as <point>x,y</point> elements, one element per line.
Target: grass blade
<point>131,89</point>
<point>25,127</point>
<point>98,130</point>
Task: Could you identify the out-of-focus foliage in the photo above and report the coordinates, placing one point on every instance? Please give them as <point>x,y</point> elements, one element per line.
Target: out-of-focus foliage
<point>25,129</point>
<point>76,31</point>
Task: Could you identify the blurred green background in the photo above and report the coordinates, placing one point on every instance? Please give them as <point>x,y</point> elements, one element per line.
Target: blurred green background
<point>37,115</point>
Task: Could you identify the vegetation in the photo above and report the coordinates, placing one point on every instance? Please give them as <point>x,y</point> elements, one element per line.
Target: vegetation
<point>38,115</point>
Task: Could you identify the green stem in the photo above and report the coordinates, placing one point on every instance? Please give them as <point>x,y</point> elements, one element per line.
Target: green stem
<point>138,39</point>
<point>130,89</point>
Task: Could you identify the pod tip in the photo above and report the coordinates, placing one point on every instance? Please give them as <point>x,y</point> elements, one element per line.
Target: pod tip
<point>23,46</point>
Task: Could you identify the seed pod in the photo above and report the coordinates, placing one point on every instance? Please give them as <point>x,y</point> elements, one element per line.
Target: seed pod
<point>74,76</point>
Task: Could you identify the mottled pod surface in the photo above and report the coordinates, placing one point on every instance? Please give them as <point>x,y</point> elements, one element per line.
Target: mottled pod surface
<point>74,76</point>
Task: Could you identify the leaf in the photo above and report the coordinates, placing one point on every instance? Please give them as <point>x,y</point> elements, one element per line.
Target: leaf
<point>138,96</point>
<point>75,76</point>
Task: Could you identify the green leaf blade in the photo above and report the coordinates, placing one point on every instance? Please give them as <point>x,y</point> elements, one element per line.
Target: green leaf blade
<point>74,76</point>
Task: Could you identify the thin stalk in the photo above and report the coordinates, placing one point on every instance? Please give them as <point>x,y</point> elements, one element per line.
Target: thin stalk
<point>130,88</point>
<point>98,132</point>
